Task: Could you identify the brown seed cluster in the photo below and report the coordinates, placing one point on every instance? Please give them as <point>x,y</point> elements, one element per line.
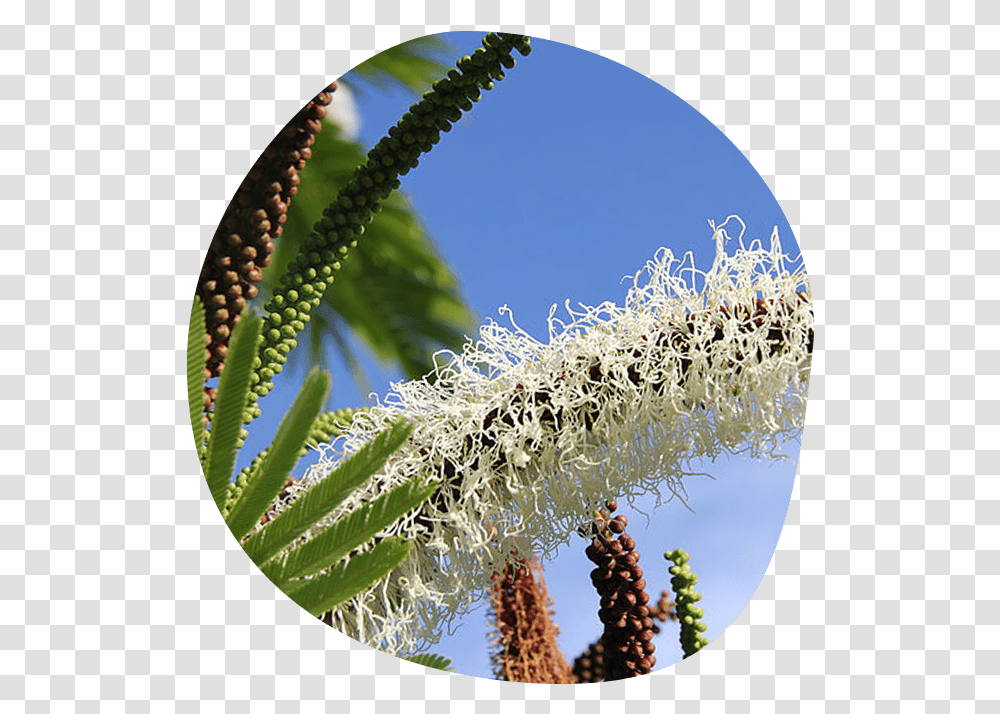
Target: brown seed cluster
<point>628,624</point>
<point>243,242</point>
<point>588,668</point>
<point>526,649</point>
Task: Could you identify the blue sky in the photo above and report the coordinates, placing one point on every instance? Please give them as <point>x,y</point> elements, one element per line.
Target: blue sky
<point>564,179</point>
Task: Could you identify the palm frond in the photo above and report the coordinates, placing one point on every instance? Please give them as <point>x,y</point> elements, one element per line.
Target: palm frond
<point>323,593</point>
<point>354,530</point>
<point>197,359</point>
<point>434,661</point>
<point>411,65</point>
<point>266,483</point>
<point>234,388</point>
<point>323,497</point>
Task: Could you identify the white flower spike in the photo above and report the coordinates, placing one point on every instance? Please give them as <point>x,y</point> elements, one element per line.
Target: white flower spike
<point>527,438</point>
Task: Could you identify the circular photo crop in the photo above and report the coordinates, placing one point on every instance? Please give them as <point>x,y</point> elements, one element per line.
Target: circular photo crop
<point>498,363</point>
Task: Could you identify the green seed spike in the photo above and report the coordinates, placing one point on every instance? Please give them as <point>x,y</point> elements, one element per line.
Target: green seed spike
<point>692,639</point>
<point>344,219</point>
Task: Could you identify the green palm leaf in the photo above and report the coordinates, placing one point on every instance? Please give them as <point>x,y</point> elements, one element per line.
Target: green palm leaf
<point>231,399</point>
<point>328,426</point>
<point>354,530</point>
<point>326,495</point>
<point>323,593</point>
<point>266,483</point>
<point>196,361</point>
<point>411,65</point>
<point>434,661</point>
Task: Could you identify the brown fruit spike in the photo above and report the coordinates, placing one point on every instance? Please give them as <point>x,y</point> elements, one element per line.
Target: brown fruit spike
<point>243,241</point>
<point>628,628</point>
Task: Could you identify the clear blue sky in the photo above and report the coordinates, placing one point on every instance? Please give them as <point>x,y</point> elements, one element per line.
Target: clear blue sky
<point>563,179</point>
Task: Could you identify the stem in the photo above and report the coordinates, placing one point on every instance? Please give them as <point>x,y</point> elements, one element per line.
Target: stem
<point>674,337</point>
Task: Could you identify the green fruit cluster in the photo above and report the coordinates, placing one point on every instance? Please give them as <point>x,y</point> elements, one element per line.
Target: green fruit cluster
<point>690,616</point>
<point>301,288</point>
<point>328,426</point>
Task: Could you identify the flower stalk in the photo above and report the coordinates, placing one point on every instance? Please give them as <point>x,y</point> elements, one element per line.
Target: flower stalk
<point>523,437</point>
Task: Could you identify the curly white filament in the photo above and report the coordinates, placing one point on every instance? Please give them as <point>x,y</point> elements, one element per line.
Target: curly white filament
<point>527,438</point>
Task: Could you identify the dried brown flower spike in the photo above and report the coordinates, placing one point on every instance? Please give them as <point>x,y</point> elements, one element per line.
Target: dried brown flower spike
<point>525,635</point>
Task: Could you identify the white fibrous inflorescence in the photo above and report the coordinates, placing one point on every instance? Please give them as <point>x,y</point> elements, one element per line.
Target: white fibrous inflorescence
<point>527,438</point>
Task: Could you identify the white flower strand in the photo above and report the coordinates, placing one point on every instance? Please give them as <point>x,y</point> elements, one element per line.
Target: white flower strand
<point>527,438</point>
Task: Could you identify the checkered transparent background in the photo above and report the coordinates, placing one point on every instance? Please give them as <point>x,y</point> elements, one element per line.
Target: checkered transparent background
<point>126,130</point>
